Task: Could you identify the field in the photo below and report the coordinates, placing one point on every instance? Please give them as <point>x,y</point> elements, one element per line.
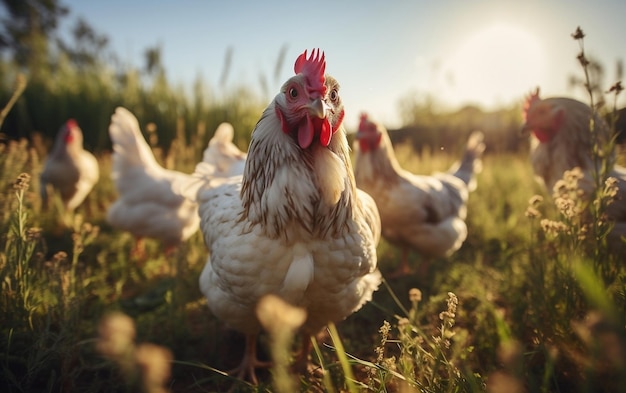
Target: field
<point>531,313</point>
<point>533,301</point>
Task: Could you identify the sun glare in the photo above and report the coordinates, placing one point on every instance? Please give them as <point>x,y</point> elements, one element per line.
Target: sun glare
<point>493,66</point>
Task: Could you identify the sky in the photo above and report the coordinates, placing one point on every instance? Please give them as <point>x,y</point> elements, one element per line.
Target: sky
<point>488,53</point>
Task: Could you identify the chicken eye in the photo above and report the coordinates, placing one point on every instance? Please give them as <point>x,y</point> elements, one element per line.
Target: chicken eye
<point>334,95</point>
<point>293,93</point>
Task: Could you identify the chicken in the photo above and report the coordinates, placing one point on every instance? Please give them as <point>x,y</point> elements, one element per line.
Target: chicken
<point>69,169</point>
<point>562,140</point>
<point>294,225</point>
<point>221,153</point>
<point>423,213</point>
<point>155,202</point>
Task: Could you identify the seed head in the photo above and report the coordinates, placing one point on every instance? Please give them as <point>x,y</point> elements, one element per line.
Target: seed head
<point>22,182</point>
<point>578,34</point>
<point>415,295</point>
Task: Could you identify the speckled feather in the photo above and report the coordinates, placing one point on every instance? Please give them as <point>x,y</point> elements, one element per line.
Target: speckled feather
<point>424,213</point>
<point>69,168</point>
<point>286,228</point>
<point>570,147</point>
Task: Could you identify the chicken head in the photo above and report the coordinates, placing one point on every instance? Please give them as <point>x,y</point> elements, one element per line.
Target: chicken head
<point>368,134</point>
<point>301,105</point>
<point>542,118</point>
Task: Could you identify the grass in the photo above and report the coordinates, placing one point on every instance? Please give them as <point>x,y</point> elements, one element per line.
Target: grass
<point>517,290</point>
<point>522,306</point>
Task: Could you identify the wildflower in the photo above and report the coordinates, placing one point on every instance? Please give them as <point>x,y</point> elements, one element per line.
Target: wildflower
<point>403,323</point>
<point>617,88</point>
<point>560,188</point>
<point>390,363</point>
<point>385,329</point>
<point>570,179</point>
<point>531,212</point>
<point>59,257</point>
<point>415,295</point>
<point>582,60</point>
<point>380,350</point>
<point>116,333</point>
<point>22,182</point>
<point>611,188</point>
<point>567,207</point>
<point>535,200</point>
<point>278,316</point>
<point>553,228</point>
<point>578,34</point>
<point>448,316</point>
<point>155,364</point>
<point>453,302</point>
<point>33,233</point>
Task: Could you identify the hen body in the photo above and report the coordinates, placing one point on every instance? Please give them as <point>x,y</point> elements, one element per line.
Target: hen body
<point>69,169</point>
<point>423,213</point>
<point>294,224</point>
<point>153,201</point>
<point>562,140</point>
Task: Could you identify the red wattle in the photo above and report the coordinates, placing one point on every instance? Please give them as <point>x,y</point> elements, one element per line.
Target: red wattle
<point>326,133</point>
<point>306,131</point>
<point>364,146</point>
<point>283,122</point>
<point>542,136</point>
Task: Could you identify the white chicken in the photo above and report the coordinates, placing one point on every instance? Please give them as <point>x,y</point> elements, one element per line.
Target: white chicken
<point>294,225</point>
<point>155,202</point>
<point>69,169</point>
<point>221,153</point>
<point>562,140</point>
<point>423,213</point>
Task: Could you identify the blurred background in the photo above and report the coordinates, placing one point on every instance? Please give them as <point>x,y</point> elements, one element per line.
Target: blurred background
<point>433,72</point>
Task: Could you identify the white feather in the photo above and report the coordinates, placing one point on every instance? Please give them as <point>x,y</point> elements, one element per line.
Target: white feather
<point>331,175</point>
<point>299,275</point>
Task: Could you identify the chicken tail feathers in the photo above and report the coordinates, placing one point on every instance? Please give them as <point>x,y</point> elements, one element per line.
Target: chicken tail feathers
<point>471,163</point>
<point>223,153</point>
<point>129,146</point>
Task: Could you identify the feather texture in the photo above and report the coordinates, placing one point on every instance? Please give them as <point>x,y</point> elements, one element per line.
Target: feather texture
<point>562,140</point>
<point>424,213</point>
<point>294,225</point>
<point>69,169</point>
<point>153,201</point>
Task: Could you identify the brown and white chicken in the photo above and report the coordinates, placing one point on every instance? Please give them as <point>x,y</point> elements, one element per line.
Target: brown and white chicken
<point>423,213</point>
<point>294,225</point>
<point>154,202</point>
<point>562,140</point>
<point>69,169</point>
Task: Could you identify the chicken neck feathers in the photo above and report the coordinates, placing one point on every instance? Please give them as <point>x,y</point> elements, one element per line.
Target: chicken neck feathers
<point>571,146</point>
<point>426,213</point>
<point>293,225</point>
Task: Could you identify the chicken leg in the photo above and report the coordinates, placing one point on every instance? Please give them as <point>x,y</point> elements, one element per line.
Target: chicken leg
<point>249,362</point>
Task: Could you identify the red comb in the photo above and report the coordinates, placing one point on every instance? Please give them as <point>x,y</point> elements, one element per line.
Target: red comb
<point>367,125</point>
<point>364,121</point>
<point>71,123</point>
<point>313,69</point>
<point>530,99</point>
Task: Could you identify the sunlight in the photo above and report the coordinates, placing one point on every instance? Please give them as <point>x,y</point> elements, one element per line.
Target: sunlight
<point>492,67</point>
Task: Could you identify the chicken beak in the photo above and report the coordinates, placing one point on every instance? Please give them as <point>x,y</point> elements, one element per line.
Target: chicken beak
<point>525,130</point>
<point>319,108</point>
